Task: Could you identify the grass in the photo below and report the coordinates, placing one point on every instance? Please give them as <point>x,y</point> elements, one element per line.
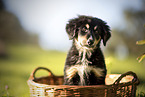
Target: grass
<point>23,59</point>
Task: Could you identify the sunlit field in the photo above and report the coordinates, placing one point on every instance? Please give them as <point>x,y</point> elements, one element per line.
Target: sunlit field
<point>23,59</point>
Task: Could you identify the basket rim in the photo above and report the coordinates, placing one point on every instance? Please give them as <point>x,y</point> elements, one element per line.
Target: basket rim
<point>32,77</point>
<point>32,82</point>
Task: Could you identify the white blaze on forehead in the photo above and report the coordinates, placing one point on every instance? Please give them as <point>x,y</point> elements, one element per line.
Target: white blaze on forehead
<point>87,25</point>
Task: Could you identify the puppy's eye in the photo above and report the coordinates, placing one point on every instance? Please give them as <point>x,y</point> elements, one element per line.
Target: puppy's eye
<point>84,30</point>
<point>97,32</point>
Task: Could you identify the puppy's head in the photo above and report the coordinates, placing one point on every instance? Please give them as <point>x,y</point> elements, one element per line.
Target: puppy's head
<point>88,31</point>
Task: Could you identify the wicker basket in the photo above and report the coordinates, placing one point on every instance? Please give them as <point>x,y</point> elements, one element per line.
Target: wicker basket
<point>52,86</point>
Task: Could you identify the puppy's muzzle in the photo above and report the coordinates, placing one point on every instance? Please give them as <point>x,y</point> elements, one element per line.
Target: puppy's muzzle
<point>90,42</point>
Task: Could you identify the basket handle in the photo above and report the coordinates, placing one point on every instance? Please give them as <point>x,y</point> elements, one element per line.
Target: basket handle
<point>134,80</point>
<point>32,76</point>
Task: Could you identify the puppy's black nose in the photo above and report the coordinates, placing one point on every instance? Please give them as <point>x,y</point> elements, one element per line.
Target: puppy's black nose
<point>90,42</point>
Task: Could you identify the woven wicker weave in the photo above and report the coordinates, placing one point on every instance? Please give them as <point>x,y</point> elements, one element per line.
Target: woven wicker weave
<point>124,85</point>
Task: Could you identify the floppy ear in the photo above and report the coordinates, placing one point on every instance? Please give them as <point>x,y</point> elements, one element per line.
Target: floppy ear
<point>104,30</point>
<point>71,30</point>
<point>106,33</point>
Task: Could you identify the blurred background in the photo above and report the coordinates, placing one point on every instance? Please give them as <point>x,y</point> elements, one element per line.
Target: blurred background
<point>32,34</point>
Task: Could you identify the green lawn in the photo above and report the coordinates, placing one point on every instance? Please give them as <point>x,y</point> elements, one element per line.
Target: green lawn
<point>23,59</point>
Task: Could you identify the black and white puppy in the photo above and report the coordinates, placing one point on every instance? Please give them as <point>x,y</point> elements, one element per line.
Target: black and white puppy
<point>85,63</point>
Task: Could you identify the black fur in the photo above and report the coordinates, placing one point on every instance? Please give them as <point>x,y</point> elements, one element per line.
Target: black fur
<point>95,57</point>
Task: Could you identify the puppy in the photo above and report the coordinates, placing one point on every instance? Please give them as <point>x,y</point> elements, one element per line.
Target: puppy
<point>85,63</point>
